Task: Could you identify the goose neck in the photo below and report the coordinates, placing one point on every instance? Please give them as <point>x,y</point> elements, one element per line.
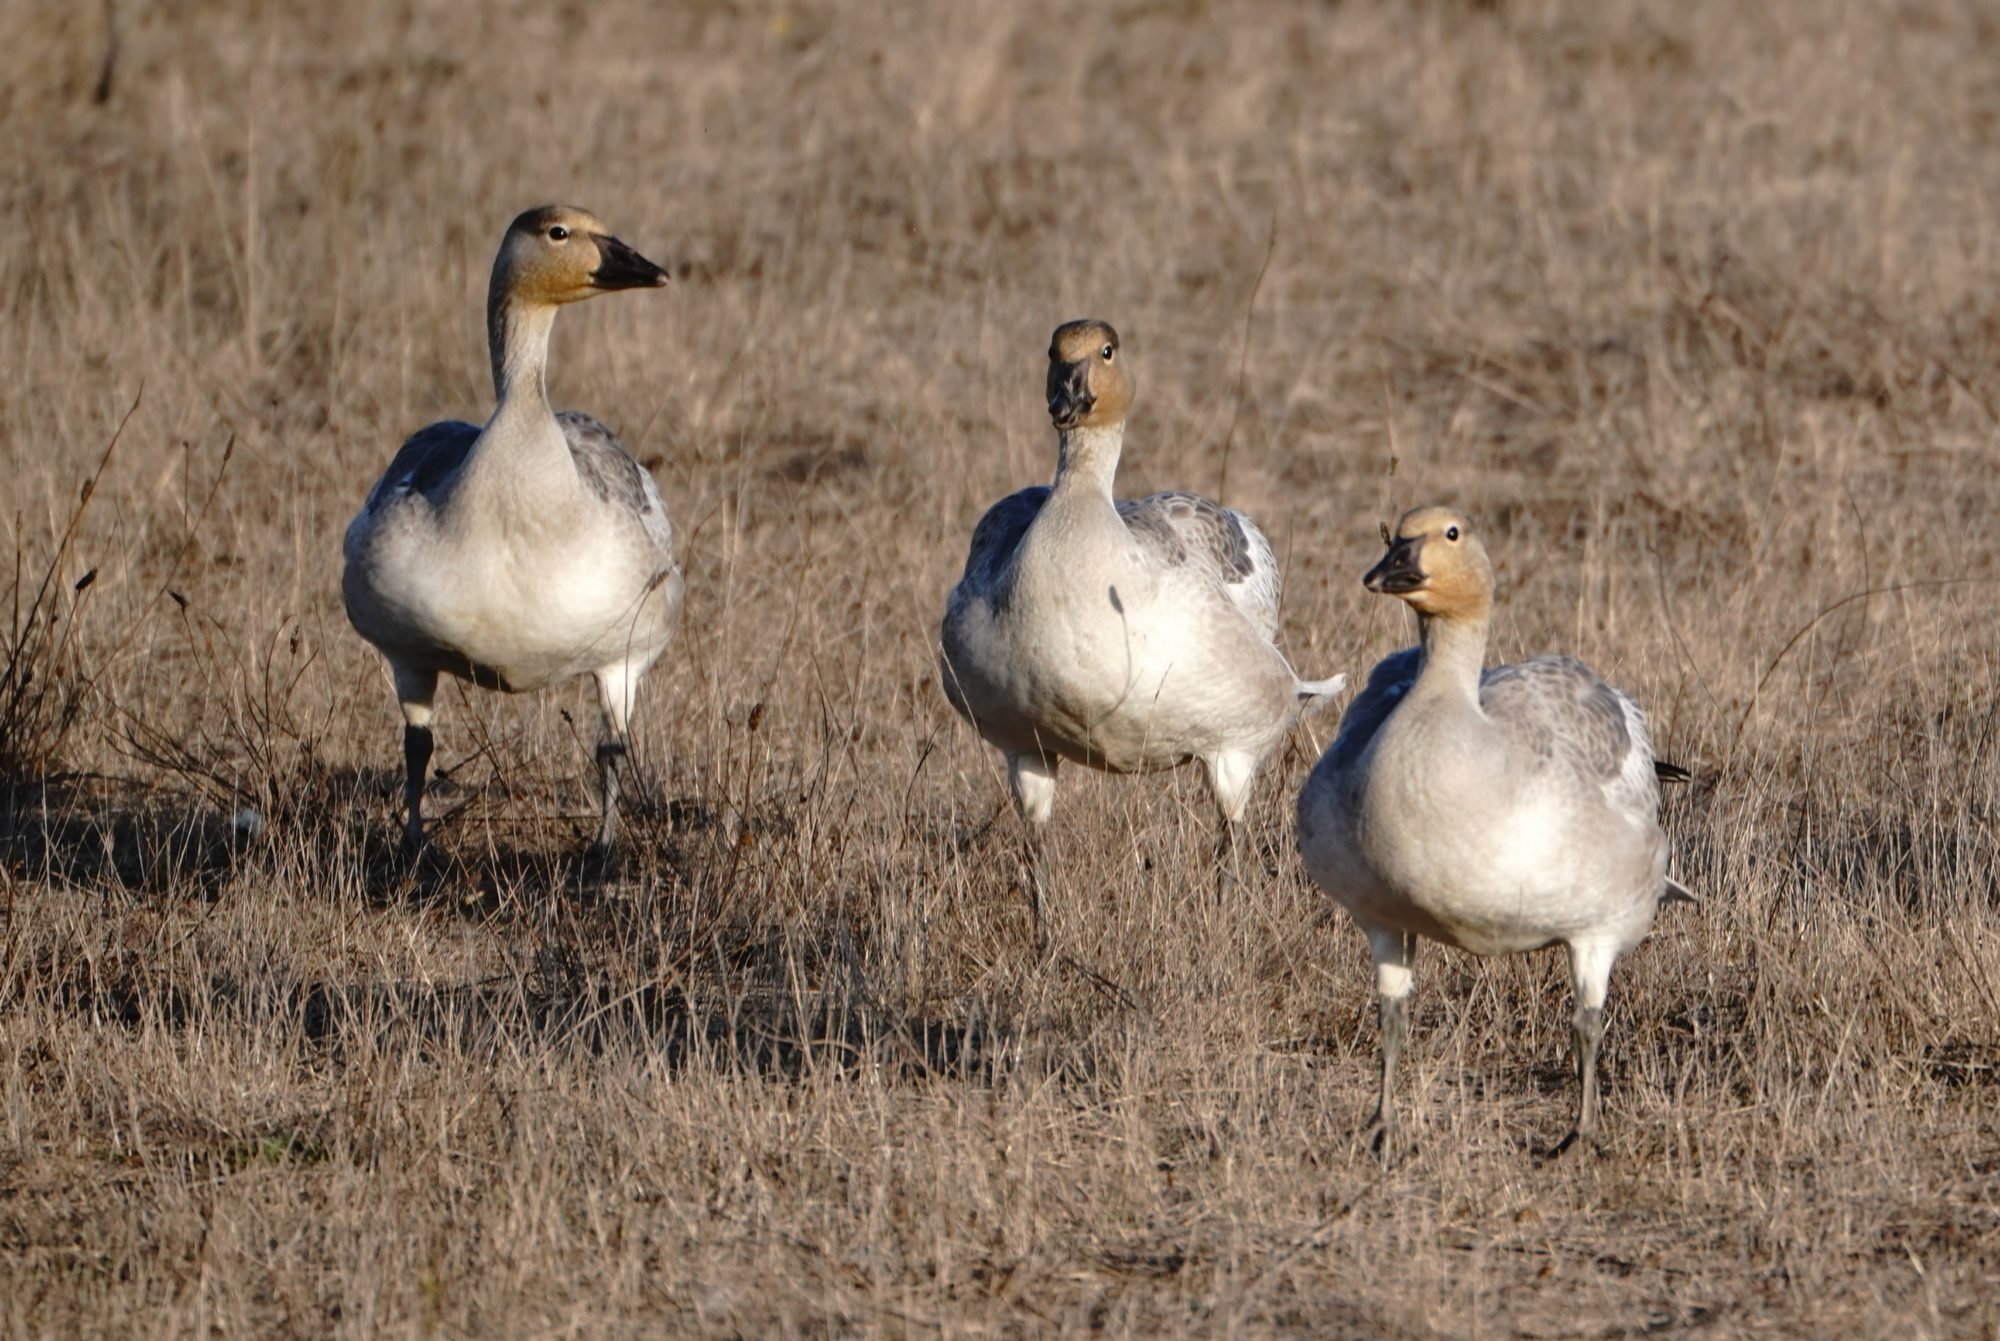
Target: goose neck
<point>1087,458</point>
<point>521,456</point>
<point>1454,654</point>
<point>517,337</point>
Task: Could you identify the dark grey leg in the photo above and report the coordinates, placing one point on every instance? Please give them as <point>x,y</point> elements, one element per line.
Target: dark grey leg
<point>610,760</point>
<point>1586,1032</point>
<point>1229,844</point>
<point>416,690</point>
<point>1032,780</point>
<point>1229,779</point>
<point>417,746</point>
<point>1034,842</point>
<point>1394,1013</point>
<point>1590,975</point>
<point>1395,956</point>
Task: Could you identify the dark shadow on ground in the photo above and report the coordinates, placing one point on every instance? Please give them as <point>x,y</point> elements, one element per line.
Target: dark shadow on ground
<point>761,1031</point>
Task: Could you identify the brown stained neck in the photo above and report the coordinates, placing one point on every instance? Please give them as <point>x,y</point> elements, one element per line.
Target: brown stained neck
<point>1087,459</point>
<point>521,455</point>
<point>517,341</point>
<point>1454,653</point>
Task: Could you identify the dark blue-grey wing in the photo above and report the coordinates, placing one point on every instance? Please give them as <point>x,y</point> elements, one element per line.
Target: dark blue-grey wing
<point>425,464</point>
<point>611,473</point>
<point>1387,683</point>
<point>999,534</point>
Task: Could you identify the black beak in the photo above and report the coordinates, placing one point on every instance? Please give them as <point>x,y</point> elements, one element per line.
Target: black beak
<point>619,267</point>
<point>1070,400</point>
<point>1398,573</point>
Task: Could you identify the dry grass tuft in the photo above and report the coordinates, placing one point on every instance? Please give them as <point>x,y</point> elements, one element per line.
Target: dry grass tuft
<point>1695,310</point>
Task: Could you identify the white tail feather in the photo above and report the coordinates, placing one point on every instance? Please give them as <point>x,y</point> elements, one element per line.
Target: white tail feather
<point>1316,694</point>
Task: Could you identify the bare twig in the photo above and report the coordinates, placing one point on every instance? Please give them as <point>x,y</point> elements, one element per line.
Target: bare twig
<point>1243,361</point>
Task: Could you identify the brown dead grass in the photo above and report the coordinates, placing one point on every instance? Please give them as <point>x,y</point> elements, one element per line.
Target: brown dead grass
<point>1693,306</point>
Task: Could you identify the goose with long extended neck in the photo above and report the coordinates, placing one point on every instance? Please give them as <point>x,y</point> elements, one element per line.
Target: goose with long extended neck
<point>1496,809</point>
<point>1128,636</point>
<point>529,551</point>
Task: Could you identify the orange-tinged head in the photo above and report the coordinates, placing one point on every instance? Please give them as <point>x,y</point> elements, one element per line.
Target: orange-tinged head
<point>1090,385</point>
<point>1436,565</point>
<point>561,254</point>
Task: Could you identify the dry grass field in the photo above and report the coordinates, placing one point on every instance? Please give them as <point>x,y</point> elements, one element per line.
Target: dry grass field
<point>1695,305</point>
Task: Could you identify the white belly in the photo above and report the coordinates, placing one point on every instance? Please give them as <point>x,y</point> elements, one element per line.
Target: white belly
<point>1122,677</point>
<point>522,614</point>
<point>1486,868</point>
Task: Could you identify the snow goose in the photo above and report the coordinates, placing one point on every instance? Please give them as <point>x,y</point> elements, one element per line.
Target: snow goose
<point>531,550</point>
<point>1498,811</point>
<point>1127,636</point>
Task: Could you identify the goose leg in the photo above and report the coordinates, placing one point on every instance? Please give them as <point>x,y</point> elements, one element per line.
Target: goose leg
<point>615,686</point>
<point>1034,844</point>
<point>1590,977</point>
<point>415,690</point>
<point>1228,855</point>
<point>1032,780</point>
<point>1586,1033</point>
<point>1229,779</point>
<point>1394,953</point>
<point>417,746</point>
<point>610,758</point>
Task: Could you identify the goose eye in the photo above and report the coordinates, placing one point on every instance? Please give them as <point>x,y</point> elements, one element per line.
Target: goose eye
<point>1451,533</point>
<point>557,233</point>
<point>1108,351</point>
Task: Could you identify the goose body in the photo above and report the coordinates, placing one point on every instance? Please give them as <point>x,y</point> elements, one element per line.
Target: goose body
<point>1128,636</point>
<point>1524,826</point>
<point>510,602</point>
<point>1496,810</point>
<point>529,550</point>
<point>1131,642</point>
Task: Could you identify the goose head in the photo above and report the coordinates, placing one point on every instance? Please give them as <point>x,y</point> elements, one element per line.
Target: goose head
<point>560,254</point>
<point>1436,565</point>
<point>1090,385</point>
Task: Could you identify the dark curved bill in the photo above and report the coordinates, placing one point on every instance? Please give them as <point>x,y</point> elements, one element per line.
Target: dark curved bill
<point>1398,572</point>
<point>619,267</point>
<point>1069,393</point>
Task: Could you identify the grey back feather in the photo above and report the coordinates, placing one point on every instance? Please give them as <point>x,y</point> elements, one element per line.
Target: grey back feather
<point>610,472</point>
<point>1179,529</point>
<point>1172,529</point>
<point>428,464</point>
<point>1552,708</point>
<point>1558,708</point>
